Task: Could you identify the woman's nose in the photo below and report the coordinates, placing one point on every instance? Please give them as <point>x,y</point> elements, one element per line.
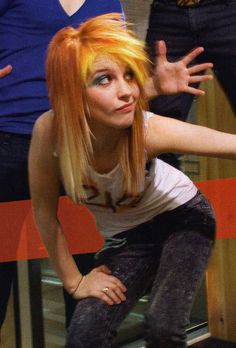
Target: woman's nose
<point>124,89</point>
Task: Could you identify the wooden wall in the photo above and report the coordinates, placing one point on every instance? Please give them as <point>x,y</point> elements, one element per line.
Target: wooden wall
<point>7,339</point>
<point>214,111</point>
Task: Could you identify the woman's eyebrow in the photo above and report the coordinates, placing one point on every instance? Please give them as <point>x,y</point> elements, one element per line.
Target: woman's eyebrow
<point>101,71</point>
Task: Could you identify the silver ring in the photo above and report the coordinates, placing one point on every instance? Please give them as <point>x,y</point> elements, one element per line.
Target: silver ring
<point>105,290</point>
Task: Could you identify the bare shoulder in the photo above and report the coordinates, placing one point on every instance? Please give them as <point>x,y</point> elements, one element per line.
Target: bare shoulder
<point>44,124</point>
<point>155,135</point>
<point>43,143</point>
<point>164,134</point>
<point>44,130</point>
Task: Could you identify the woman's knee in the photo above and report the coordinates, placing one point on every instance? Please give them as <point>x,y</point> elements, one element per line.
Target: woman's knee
<point>87,340</point>
<point>89,326</point>
<point>164,331</point>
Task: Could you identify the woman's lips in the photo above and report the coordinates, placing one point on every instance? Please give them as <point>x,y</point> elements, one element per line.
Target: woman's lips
<point>126,107</point>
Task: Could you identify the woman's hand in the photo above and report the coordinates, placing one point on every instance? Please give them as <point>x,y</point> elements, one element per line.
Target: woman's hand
<point>100,283</point>
<point>172,78</point>
<point>5,71</point>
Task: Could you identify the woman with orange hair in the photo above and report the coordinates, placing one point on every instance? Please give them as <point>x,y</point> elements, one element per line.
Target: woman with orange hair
<point>101,145</point>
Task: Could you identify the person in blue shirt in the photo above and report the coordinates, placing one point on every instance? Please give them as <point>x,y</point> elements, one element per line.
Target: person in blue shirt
<point>26,27</point>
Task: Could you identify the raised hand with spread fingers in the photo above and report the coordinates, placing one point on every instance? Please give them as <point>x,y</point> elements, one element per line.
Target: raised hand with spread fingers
<point>176,77</point>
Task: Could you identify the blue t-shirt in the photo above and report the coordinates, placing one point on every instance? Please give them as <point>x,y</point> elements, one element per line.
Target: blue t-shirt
<point>26,28</point>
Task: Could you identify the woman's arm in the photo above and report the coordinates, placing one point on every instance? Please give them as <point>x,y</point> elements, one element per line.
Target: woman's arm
<point>165,134</point>
<point>176,77</point>
<point>44,177</point>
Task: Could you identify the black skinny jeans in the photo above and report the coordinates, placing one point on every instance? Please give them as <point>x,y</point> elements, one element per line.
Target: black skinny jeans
<point>168,255</point>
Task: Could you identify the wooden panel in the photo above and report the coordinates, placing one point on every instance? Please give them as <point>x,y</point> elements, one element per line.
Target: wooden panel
<point>137,12</point>
<point>8,329</point>
<point>214,111</point>
<point>221,285</point>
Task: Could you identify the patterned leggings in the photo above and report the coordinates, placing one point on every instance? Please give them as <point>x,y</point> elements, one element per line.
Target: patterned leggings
<point>168,256</point>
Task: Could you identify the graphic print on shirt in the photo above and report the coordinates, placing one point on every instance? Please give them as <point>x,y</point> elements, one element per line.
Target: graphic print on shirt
<point>115,199</point>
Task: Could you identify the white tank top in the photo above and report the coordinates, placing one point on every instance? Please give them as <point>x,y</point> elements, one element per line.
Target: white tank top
<point>165,189</point>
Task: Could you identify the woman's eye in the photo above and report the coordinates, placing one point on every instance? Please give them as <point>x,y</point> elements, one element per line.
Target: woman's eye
<point>102,80</point>
<point>129,76</point>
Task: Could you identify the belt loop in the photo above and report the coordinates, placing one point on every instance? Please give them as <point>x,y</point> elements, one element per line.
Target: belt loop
<point>188,3</point>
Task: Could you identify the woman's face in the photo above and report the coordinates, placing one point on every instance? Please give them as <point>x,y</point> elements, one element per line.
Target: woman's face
<point>112,95</point>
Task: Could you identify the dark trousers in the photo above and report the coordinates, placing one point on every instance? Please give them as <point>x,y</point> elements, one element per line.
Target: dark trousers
<point>13,187</point>
<point>168,255</point>
<point>212,25</point>
<point>14,150</point>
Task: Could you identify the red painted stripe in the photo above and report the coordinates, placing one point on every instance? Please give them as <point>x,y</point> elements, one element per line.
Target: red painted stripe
<point>20,239</point>
<point>222,195</point>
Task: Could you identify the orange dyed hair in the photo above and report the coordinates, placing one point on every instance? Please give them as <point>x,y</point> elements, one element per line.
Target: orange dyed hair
<point>71,56</point>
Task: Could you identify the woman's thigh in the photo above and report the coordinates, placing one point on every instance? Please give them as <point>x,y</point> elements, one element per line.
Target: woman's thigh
<point>160,249</point>
<point>184,258</point>
<point>94,323</point>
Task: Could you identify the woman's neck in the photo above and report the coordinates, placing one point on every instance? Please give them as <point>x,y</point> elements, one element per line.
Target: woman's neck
<point>106,140</point>
<point>71,6</point>
<point>106,151</point>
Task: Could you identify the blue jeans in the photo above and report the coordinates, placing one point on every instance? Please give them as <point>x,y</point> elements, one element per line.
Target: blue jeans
<point>212,25</point>
<point>166,256</point>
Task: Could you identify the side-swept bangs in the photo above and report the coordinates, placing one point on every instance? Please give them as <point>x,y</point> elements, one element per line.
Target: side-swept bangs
<point>71,57</point>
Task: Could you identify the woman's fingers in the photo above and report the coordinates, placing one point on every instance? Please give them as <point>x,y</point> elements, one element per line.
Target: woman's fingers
<point>196,79</point>
<point>161,50</point>
<point>112,295</point>
<point>117,283</point>
<point>120,294</point>
<point>113,279</point>
<point>103,268</point>
<point>199,68</point>
<point>101,284</point>
<point>195,91</point>
<point>200,78</point>
<point>113,291</point>
<point>192,55</point>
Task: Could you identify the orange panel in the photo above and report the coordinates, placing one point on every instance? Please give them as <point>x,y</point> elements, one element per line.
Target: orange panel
<point>222,195</point>
<point>20,240</point>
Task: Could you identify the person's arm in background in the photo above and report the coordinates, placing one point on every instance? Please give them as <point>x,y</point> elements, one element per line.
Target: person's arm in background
<point>176,77</point>
<point>5,71</point>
